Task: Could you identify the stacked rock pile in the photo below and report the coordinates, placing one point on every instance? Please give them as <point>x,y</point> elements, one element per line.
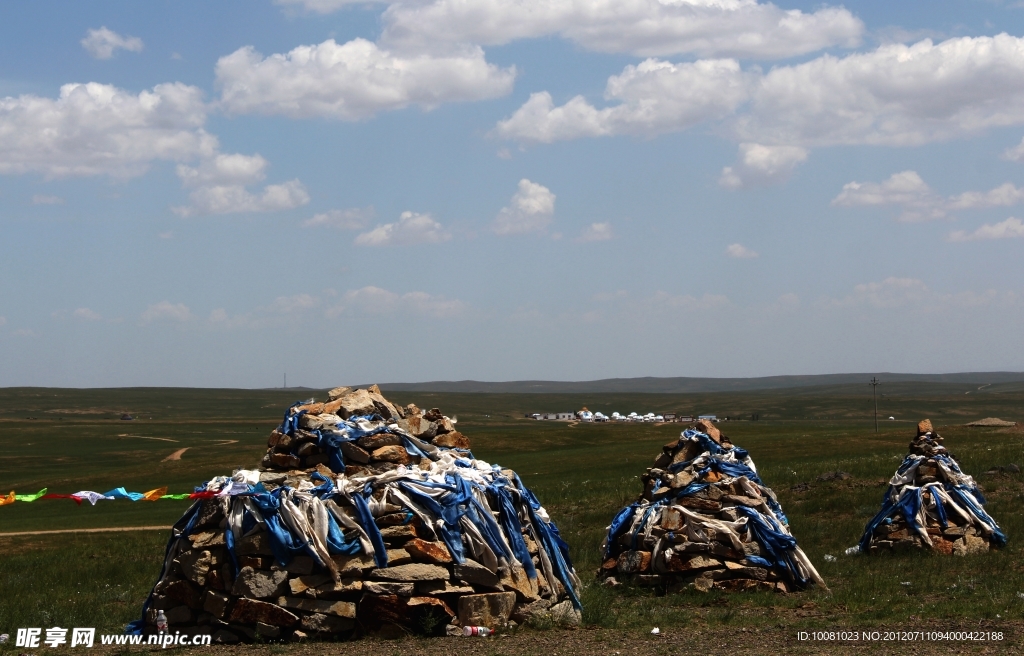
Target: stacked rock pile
<point>705,520</point>
<point>363,517</point>
<point>931,503</point>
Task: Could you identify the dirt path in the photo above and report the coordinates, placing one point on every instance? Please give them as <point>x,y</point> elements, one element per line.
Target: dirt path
<point>88,530</point>
<point>176,455</point>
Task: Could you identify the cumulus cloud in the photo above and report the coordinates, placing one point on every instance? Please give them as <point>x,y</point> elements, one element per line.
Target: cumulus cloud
<point>740,251</point>
<point>894,95</point>
<point>86,314</point>
<point>411,228</point>
<point>99,129</point>
<point>374,300</point>
<point>1015,154</point>
<point>905,188</point>
<point>708,28</point>
<point>530,210</point>
<point>220,187</point>
<point>597,232</point>
<point>919,201</point>
<point>1011,227</point>
<point>102,43</point>
<point>354,80</point>
<point>895,292</point>
<point>761,165</point>
<point>654,96</point>
<point>166,311</point>
<point>40,199</point>
<point>354,218</point>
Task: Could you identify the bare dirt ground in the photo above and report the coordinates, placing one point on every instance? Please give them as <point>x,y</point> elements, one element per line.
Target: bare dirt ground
<point>176,455</point>
<point>87,530</point>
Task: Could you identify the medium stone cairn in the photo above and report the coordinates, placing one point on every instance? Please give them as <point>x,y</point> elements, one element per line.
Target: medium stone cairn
<point>363,517</point>
<point>705,521</point>
<point>931,503</point>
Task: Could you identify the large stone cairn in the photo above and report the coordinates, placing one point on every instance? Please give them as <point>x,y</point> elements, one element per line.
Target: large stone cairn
<point>931,503</point>
<point>705,521</point>
<point>363,517</point>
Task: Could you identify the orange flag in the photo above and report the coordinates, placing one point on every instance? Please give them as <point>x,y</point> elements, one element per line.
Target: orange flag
<point>153,495</point>
<point>7,499</point>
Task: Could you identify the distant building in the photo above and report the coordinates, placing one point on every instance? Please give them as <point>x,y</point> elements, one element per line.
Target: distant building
<point>686,419</point>
<point>708,417</point>
<point>670,416</point>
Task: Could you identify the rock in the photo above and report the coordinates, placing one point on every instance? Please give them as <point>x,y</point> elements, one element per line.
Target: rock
<point>353,453</point>
<point>301,565</point>
<point>251,611</point>
<point>381,588</point>
<point>566,614</point>
<point>337,393</point>
<point>196,564</point>
<point>412,572</point>
<point>183,592</point>
<point>491,610</point>
<point>442,587</point>
<point>224,637</point>
<point>353,404</point>
<point>395,454</point>
<point>523,612</point>
<point>473,572</point>
<point>207,539</point>
<point>267,631</point>
<point>285,461</point>
<point>398,533</point>
<point>336,608</point>
<point>178,615</point>
<point>349,566</point>
<point>924,426</point>
<point>254,544</point>
<point>970,545</point>
<point>687,563</point>
<point>435,553</point>
<point>319,623</point>
<point>398,557</point>
<point>708,427</point>
<point>452,440</point>
<point>300,584</point>
<point>419,427</point>
<point>216,603</point>
<point>516,580</point>
<point>259,585</point>
<point>634,562</point>
<point>344,587</point>
<point>298,636</point>
<point>373,442</point>
<point>1013,468</point>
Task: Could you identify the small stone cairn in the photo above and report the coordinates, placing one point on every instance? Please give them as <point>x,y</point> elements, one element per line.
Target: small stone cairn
<point>363,517</point>
<point>931,503</point>
<point>705,521</point>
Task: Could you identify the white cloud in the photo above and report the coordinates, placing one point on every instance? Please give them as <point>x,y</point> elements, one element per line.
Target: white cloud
<point>597,232</point>
<point>892,292</point>
<point>86,314</point>
<point>224,169</point>
<point>654,96</point>
<point>354,218</point>
<point>530,210</point>
<point>740,251</point>
<point>762,165</point>
<point>98,129</point>
<point>905,188</point>
<point>354,80</point>
<point>411,228</point>
<point>165,310</point>
<point>1004,195</point>
<point>894,95</point>
<point>1015,154</point>
<point>40,199</point>
<point>374,300</point>
<point>709,28</point>
<point>919,201</point>
<point>102,43</point>
<point>1011,227</point>
<point>233,199</point>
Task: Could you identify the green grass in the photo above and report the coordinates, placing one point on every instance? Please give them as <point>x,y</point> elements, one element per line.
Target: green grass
<point>583,474</point>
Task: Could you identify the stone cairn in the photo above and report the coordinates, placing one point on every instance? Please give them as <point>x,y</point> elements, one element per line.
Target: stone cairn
<point>705,521</point>
<point>931,503</point>
<point>363,517</point>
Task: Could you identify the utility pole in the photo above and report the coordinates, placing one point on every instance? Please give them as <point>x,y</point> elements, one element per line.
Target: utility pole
<point>286,387</point>
<point>875,383</point>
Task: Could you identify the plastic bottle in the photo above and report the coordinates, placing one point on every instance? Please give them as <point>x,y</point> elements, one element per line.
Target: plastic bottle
<point>481,631</point>
<point>161,622</point>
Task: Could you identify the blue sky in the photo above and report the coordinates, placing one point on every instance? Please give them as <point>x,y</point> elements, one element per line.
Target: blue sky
<point>211,194</point>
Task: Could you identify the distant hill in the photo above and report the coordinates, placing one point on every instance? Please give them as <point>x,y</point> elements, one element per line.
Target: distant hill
<point>682,385</point>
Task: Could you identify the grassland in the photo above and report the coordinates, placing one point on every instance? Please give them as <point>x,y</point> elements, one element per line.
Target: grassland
<point>69,440</point>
